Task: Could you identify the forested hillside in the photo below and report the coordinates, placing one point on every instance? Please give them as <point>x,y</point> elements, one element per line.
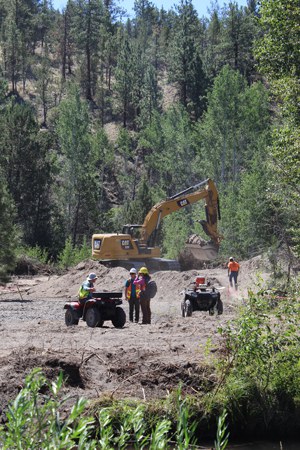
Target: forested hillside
<point>102,116</point>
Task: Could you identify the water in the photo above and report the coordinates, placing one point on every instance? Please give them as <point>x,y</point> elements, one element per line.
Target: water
<point>265,445</point>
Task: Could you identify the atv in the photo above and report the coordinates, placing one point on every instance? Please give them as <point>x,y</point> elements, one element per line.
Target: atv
<point>102,306</point>
<point>201,297</point>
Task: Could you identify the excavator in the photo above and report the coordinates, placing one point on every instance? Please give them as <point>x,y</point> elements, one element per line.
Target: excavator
<point>136,245</point>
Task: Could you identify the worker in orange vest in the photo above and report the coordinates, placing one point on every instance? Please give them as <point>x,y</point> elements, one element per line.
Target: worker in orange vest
<point>233,271</point>
<point>132,294</point>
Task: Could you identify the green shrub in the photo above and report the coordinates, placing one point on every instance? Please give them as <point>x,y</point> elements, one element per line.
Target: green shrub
<point>36,253</point>
<point>72,255</point>
<point>260,375</point>
<point>34,419</point>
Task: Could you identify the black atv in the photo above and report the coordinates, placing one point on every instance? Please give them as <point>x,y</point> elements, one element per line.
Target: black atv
<point>201,298</point>
<point>95,311</point>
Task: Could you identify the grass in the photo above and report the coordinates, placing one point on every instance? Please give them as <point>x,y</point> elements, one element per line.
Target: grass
<point>35,421</point>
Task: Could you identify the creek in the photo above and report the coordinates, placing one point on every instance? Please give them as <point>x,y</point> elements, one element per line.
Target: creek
<point>265,445</point>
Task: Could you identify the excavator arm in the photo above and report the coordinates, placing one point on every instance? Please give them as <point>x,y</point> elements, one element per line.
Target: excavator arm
<point>205,190</point>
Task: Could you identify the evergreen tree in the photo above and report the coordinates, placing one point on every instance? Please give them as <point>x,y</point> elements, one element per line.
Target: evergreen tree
<point>124,82</point>
<point>212,56</point>
<point>27,167</point>
<point>238,33</point>
<point>247,214</point>
<point>229,39</point>
<point>136,210</point>
<point>78,193</point>
<point>185,63</point>
<point>44,78</point>
<point>8,232</point>
<point>233,128</point>
<point>18,32</point>
<point>85,28</point>
<point>168,151</point>
<point>278,54</point>
<point>151,97</point>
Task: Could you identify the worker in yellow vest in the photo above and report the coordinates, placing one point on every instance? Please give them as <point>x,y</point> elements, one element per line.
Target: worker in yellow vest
<point>87,288</point>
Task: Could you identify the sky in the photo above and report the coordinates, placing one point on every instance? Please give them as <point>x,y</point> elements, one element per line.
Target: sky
<point>200,5</point>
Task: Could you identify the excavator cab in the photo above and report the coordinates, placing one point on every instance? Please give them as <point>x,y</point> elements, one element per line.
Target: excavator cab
<point>133,230</point>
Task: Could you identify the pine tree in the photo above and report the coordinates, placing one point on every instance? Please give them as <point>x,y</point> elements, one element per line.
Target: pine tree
<point>238,33</point>
<point>27,168</point>
<point>19,36</point>
<point>124,82</point>
<point>8,232</point>
<point>231,131</point>
<point>185,63</point>
<point>44,79</point>
<point>277,51</point>
<point>85,30</point>
<point>78,194</point>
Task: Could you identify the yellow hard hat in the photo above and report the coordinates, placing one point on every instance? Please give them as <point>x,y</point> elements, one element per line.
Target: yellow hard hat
<point>144,271</point>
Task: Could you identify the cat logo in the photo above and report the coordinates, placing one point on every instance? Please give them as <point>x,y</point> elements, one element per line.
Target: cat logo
<point>126,244</point>
<point>183,202</point>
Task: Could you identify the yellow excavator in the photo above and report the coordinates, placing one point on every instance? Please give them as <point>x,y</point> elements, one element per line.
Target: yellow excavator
<point>136,245</point>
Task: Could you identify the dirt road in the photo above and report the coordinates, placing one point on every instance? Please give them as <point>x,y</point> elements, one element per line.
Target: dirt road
<point>141,361</point>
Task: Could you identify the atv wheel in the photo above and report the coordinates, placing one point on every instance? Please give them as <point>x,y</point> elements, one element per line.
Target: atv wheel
<point>211,311</point>
<point>71,317</point>
<point>92,317</point>
<point>120,318</point>
<point>188,308</point>
<point>220,307</point>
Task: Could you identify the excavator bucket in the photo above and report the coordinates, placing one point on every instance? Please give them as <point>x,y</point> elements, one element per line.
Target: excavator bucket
<point>206,253</point>
<point>197,249</point>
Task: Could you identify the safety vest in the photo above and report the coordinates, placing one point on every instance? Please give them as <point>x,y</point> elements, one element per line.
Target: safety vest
<point>129,289</point>
<point>83,293</point>
<point>233,266</point>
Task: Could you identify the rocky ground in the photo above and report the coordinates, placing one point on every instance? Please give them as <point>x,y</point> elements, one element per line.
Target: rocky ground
<point>140,361</point>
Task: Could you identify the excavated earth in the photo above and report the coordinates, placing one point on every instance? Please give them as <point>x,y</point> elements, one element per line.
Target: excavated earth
<point>137,361</point>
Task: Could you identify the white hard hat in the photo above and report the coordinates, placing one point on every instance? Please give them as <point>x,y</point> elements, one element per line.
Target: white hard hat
<point>133,270</point>
<point>92,276</point>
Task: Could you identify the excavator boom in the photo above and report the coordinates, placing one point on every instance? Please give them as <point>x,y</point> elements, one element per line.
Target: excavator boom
<point>204,190</point>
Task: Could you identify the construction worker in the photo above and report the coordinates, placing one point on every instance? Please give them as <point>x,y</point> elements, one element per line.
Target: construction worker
<point>132,294</point>
<point>87,288</point>
<point>142,280</point>
<point>233,271</point>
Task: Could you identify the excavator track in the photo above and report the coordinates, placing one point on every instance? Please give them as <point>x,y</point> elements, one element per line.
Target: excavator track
<point>152,264</point>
